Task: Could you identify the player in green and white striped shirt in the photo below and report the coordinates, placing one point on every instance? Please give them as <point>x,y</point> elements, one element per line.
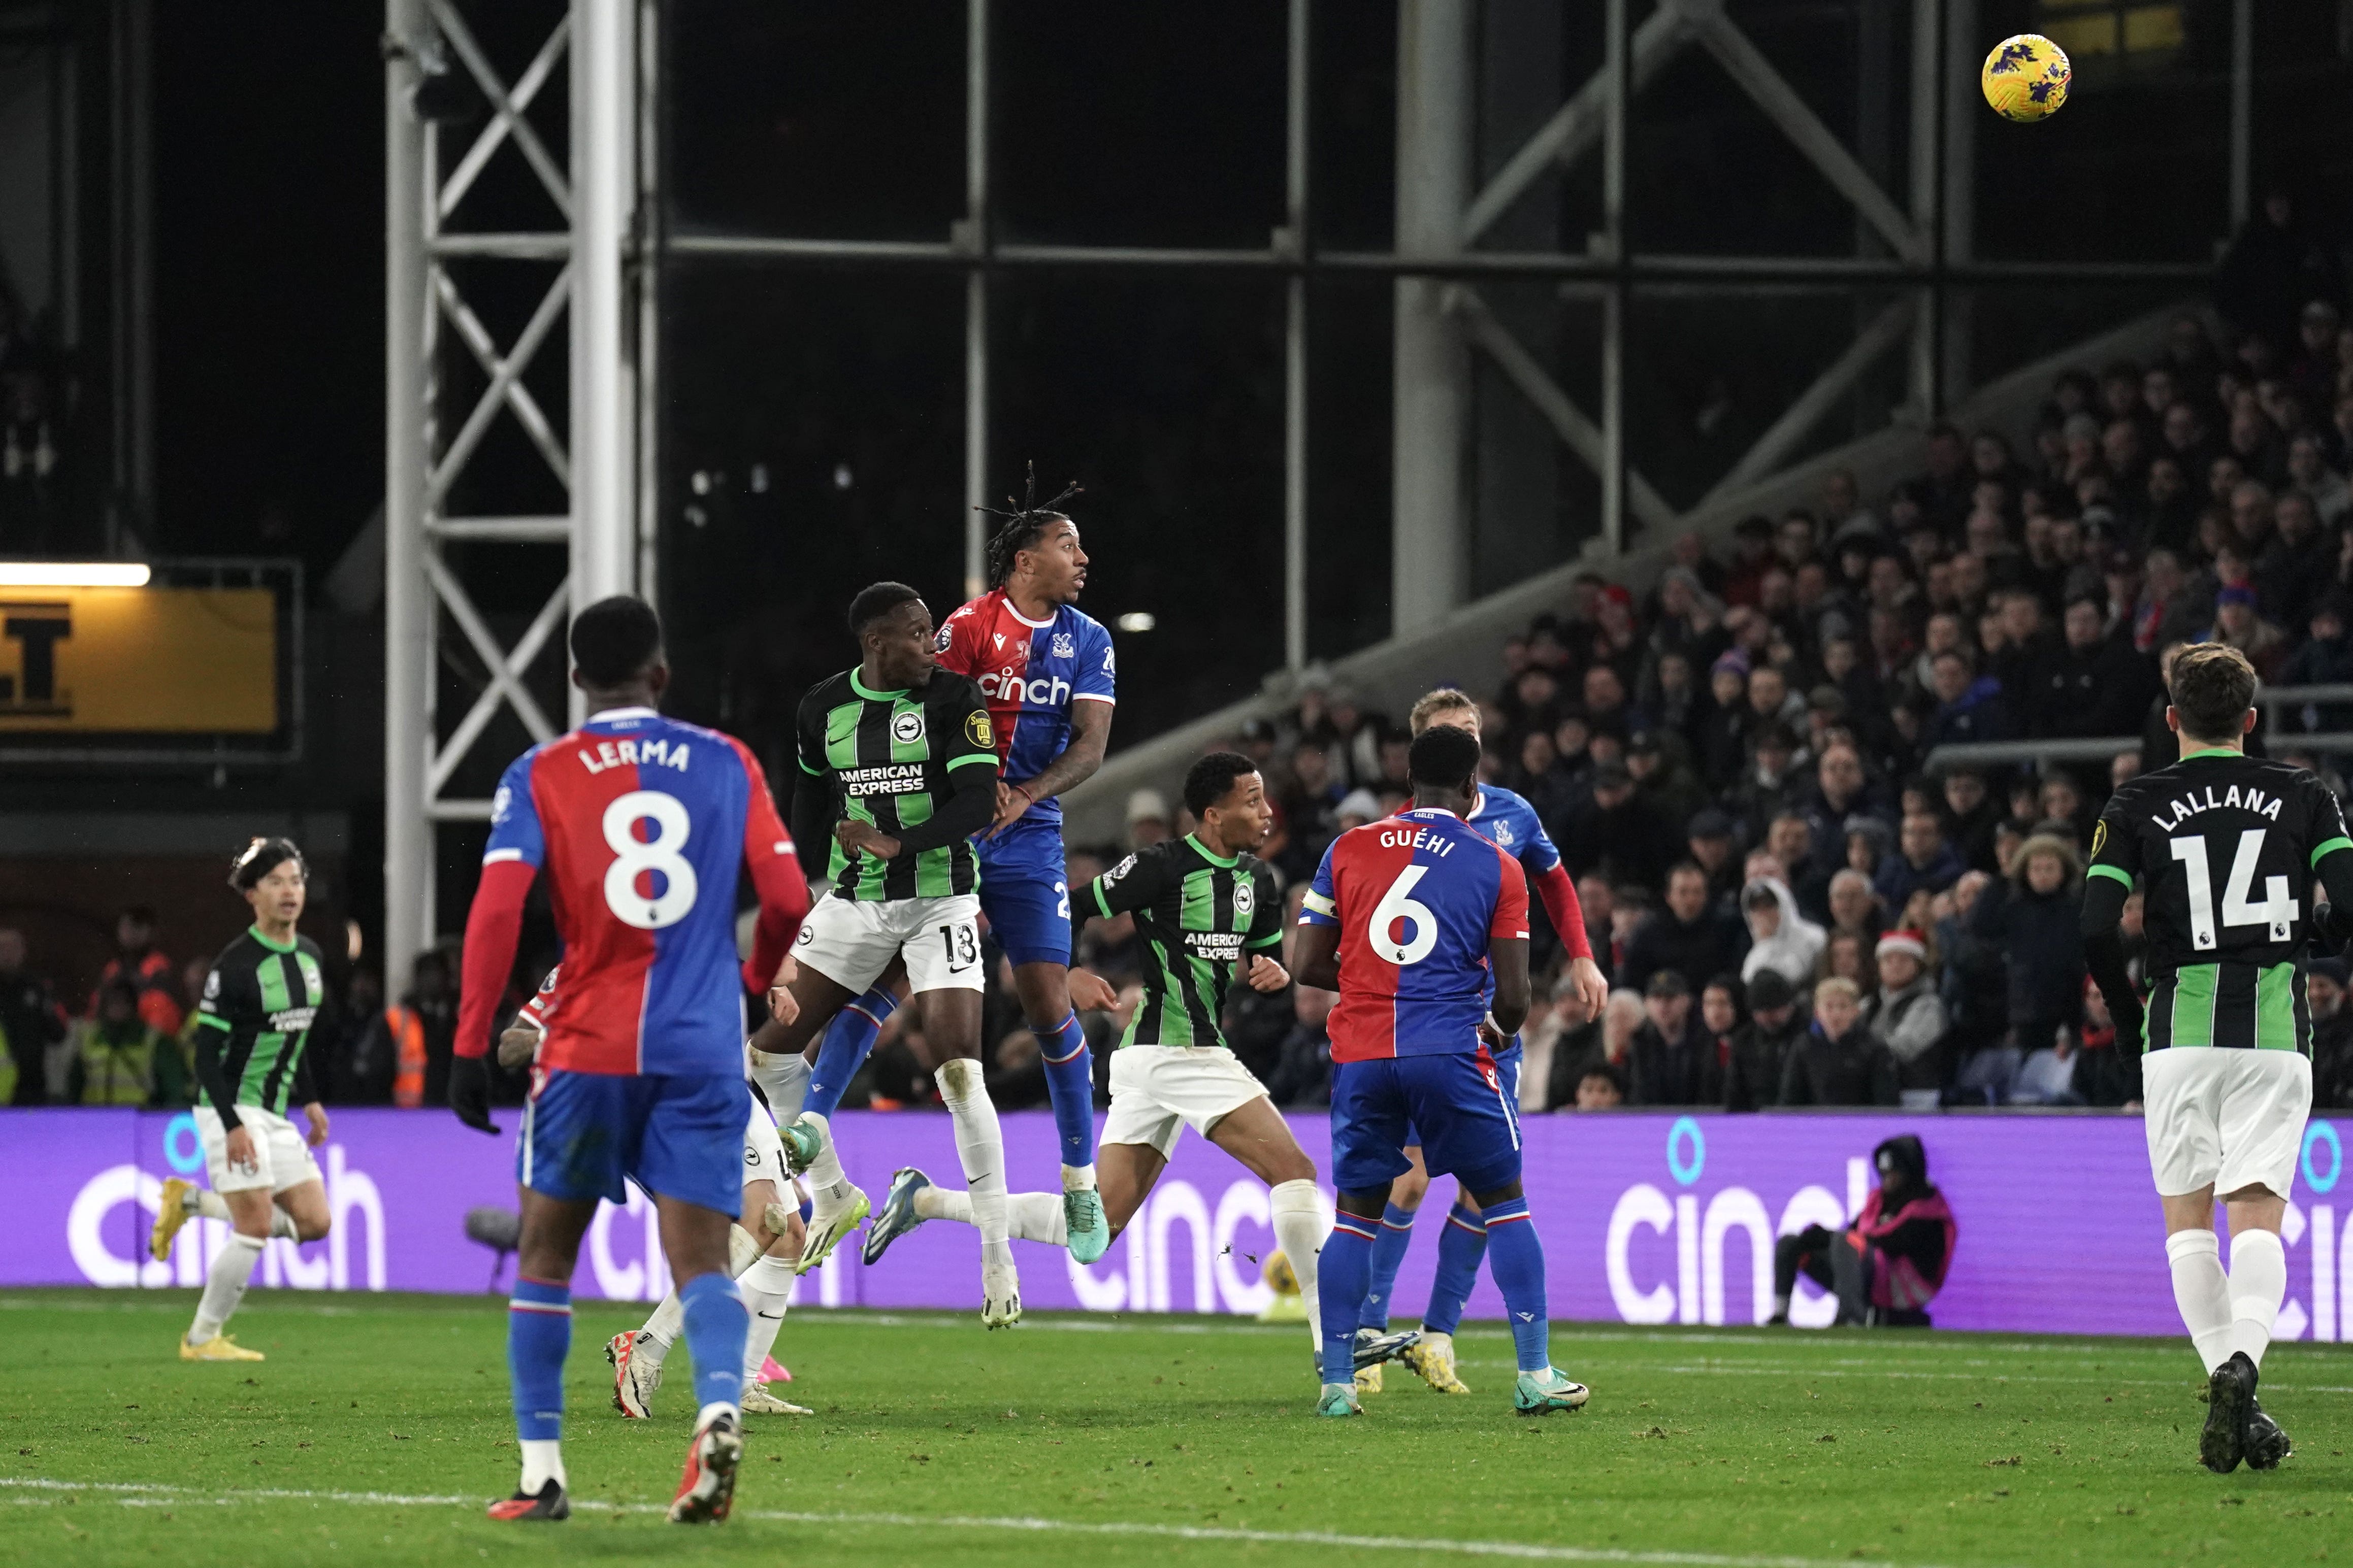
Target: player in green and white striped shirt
<point>253,1024</point>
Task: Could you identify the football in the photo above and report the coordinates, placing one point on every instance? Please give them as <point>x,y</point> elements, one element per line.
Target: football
<point>2025,78</point>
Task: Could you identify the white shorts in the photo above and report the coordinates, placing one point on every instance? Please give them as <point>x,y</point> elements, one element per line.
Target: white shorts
<point>281,1159</point>
<point>853,941</point>
<point>763,1150</point>
<point>1157,1091</point>
<point>2224,1117</point>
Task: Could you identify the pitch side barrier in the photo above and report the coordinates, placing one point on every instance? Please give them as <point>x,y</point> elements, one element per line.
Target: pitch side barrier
<point>2277,701</point>
<point>1649,1217</point>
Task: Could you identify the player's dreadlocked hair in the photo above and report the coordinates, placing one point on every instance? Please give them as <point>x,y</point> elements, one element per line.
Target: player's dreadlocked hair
<point>1023,526</point>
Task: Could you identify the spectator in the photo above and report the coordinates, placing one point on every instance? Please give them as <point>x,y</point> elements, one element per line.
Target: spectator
<point>1907,1016</point>
<point>120,1059</point>
<point>2033,925</point>
<point>1969,707</point>
<point>138,960</point>
<point>1610,1042</point>
<point>1357,808</point>
<point>1923,860</point>
<point>2332,1035</point>
<point>1779,938</point>
<point>31,1022</point>
<point>432,1004</point>
<point>1768,787</point>
<point>360,1069</point>
<point>1760,1051</point>
<point>1891,1262</point>
<point>1837,1061</point>
<point>1672,1060</point>
<point>1599,1087</point>
<point>1709,838</point>
<point>1617,831</point>
<point>1689,937</point>
<point>1719,1020</point>
<point>1971,812</point>
<point>1148,820</point>
<point>1302,1075</point>
<point>2324,659</point>
<point>1854,908</point>
<point>1552,1028</point>
<point>2238,624</point>
<point>2094,685</point>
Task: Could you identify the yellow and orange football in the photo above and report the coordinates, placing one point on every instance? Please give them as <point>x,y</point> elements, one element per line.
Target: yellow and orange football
<point>2025,78</point>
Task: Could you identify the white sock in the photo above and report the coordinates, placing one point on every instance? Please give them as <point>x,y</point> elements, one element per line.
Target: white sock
<point>225,1284</point>
<point>661,1330</point>
<point>543,1461</point>
<point>828,1184</point>
<point>767,1288</point>
<point>744,1249</point>
<point>2202,1292</point>
<point>210,1204</point>
<point>1780,1305</point>
<point>1079,1178</point>
<point>980,1150</point>
<point>784,1080</point>
<point>282,1224</point>
<point>1300,1230</point>
<point>2258,1282</point>
<point>1029,1216</point>
<point>703,1418</point>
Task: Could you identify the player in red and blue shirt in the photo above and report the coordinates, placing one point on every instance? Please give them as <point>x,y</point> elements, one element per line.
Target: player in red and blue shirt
<point>1509,820</point>
<point>1409,919</point>
<point>640,823</point>
<point>1050,677</point>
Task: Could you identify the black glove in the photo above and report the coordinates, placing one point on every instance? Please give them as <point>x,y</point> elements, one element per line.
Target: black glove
<point>470,1092</point>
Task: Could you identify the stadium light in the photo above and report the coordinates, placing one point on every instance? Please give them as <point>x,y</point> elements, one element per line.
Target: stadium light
<point>1138,621</point>
<point>73,573</point>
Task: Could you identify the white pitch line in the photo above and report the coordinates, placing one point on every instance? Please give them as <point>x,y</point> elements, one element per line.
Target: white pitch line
<point>136,1494</point>
<point>1992,1379</point>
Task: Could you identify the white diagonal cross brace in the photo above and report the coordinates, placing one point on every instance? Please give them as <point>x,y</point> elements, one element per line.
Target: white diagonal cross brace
<point>506,670</point>
<point>506,383</point>
<point>1806,411</point>
<point>1568,421</point>
<point>503,104</point>
<point>1778,99</point>
<point>1577,127</point>
<point>494,135</point>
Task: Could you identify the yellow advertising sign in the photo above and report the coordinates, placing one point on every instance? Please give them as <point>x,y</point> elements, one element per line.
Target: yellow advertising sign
<point>138,659</point>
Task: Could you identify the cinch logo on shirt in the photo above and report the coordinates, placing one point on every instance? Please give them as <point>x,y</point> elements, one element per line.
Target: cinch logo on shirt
<point>1008,683</point>
<point>650,753</point>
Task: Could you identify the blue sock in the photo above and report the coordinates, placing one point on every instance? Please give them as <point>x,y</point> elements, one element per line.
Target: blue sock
<point>1342,1272</point>
<point>539,1335</point>
<point>1070,1085</point>
<point>1461,1242</point>
<point>847,1041</point>
<point>1515,1256</point>
<point>1388,1253</point>
<point>716,1323</point>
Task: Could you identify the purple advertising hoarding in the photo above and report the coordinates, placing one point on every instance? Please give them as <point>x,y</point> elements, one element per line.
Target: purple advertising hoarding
<point>1647,1218</point>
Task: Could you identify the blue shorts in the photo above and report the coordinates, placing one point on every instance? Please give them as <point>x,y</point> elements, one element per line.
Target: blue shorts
<point>678,1138</point>
<point>1468,1129</point>
<point>1025,891</point>
<point>1507,1068</point>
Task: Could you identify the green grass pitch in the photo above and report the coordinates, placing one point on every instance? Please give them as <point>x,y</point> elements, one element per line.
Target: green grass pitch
<point>379,1425</point>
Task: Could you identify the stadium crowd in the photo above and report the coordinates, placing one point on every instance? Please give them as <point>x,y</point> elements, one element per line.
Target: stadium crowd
<point>1794,906</point>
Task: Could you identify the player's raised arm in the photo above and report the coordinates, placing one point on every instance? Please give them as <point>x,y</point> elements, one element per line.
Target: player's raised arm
<point>494,927</point>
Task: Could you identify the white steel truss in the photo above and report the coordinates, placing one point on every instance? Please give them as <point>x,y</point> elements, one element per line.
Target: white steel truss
<point>592,457</point>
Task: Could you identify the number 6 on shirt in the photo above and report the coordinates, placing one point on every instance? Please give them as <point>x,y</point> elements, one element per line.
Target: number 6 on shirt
<point>1398,904</point>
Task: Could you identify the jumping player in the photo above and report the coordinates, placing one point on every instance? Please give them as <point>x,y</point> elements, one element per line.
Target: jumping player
<point>253,1024</point>
<point>898,769</point>
<point>640,821</point>
<point>1049,674</point>
<point>1208,910</point>
<point>761,1246</point>
<point>1513,824</point>
<point>1411,919</point>
<point>2227,848</point>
